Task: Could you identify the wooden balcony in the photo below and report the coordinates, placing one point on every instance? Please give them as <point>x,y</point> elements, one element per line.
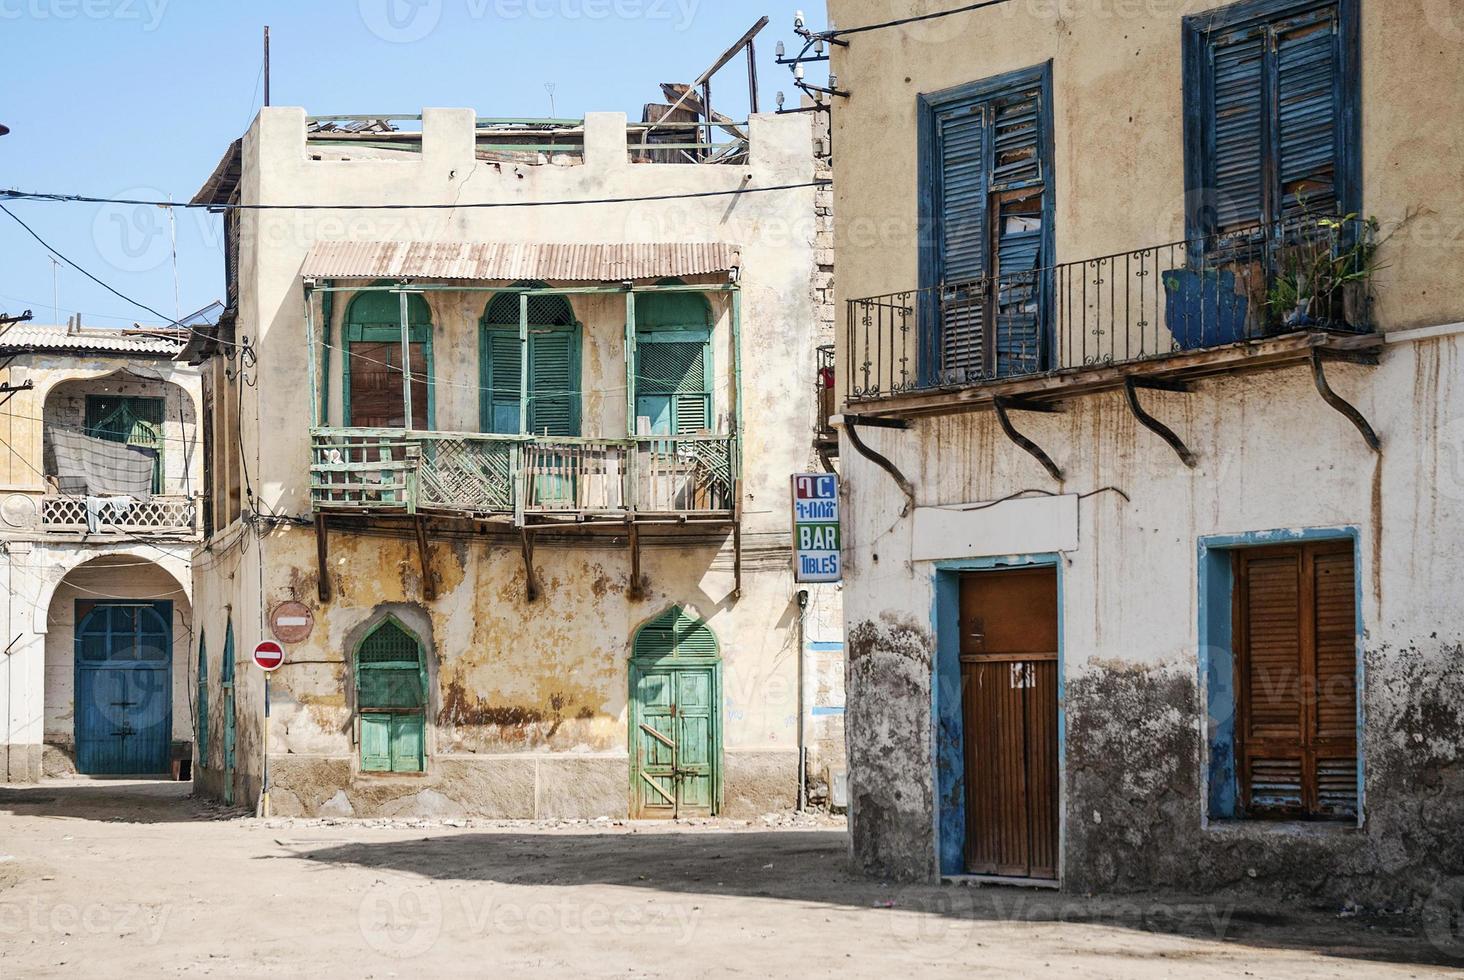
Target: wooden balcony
<point>523,481</point>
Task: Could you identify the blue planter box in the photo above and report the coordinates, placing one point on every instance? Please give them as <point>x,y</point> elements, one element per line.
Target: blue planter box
<point>1202,309</point>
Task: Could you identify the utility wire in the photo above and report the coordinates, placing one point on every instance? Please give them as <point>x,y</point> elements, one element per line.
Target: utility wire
<point>19,195</point>
<point>830,35</point>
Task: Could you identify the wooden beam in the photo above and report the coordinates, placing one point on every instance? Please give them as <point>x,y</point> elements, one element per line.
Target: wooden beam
<point>636,592</point>
<point>717,66</point>
<point>322,564</point>
<point>531,583</point>
<point>424,555</point>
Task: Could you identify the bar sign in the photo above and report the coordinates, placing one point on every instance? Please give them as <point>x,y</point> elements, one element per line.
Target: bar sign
<point>817,535</point>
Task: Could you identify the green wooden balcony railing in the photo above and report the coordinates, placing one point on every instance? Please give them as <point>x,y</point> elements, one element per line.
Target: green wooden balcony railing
<point>525,477</point>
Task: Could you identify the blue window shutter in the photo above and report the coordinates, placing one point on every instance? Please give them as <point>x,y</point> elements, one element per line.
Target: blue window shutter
<point>964,178</point>
<point>1309,114</point>
<point>1237,120</point>
<point>554,397</point>
<point>1019,180</point>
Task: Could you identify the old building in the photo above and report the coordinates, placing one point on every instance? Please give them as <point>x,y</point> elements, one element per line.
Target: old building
<point>551,576</point>
<point>99,515</point>
<point>1150,373</point>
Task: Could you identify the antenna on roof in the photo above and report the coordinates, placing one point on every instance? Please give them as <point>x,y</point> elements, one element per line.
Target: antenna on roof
<point>550,87</point>
<point>266,64</point>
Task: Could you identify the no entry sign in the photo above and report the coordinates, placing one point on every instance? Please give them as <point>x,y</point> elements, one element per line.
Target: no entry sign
<point>269,655</point>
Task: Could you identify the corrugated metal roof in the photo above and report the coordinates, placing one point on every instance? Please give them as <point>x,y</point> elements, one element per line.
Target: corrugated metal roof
<point>29,337</point>
<point>487,261</point>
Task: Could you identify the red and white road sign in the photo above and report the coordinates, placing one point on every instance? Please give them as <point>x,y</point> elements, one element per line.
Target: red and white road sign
<point>269,655</point>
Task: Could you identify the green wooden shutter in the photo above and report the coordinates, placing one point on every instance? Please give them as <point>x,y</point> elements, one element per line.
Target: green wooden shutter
<point>1308,122</point>
<point>1237,126</point>
<point>672,386</point>
<point>202,703</point>
<point>675,634</point>
<point>554,397</point>
<point>502,382</point>
<point>391,698</point>
<point>962,188</point>
<point>376,743</point>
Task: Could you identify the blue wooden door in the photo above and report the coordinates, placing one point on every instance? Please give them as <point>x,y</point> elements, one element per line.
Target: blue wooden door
<point>124,697</point>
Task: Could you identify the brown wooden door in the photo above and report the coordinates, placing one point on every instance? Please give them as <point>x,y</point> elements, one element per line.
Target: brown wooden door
<point>1009,699</point>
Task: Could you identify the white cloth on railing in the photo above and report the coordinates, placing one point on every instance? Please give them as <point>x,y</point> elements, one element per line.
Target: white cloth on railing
<point>97,467</point>
<point>106,510</point>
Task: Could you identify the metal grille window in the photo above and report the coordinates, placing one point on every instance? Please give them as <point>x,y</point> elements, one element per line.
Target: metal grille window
<point>391,700</point>
<point>1295,637</point>
<point>673,364</point>
<point>553,373</point>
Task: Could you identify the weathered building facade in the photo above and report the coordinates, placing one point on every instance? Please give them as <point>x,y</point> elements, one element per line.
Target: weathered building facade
<point>100,511</point>
<point>1152,445</point>
<point>551,576</point>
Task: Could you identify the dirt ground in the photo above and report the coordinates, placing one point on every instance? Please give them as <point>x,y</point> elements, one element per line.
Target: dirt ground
<point>139,879</point>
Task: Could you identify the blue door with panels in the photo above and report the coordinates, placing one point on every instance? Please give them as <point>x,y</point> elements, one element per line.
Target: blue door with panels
<point>124,697</point>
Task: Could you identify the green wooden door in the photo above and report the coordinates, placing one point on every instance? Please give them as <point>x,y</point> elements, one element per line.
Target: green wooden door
<point>230,734</point>
<point>674,746</point>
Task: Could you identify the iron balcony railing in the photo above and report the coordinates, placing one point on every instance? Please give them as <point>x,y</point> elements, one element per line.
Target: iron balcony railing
<point>1155,302</point>
<point>526,477</point>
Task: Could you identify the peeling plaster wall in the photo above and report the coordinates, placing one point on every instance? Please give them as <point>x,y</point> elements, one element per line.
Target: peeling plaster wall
<point>1273,456</point>
<point>528,702</point>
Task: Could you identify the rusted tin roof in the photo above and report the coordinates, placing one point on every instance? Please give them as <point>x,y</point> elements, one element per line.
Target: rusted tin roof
<point>27,337</point>
<point>489,261</point>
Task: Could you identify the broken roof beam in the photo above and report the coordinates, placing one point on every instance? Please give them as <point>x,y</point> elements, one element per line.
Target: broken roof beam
<point>717,66</point>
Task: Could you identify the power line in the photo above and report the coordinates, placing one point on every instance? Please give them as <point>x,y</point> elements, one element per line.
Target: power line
<point>830,35</point>
<point>19,195</point>
<point>111,289</point>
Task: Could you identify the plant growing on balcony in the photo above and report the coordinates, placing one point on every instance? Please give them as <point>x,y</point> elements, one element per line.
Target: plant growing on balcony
<point>1325,272</point>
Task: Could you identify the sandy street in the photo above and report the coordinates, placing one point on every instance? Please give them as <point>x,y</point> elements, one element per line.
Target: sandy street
<point>137,879</point>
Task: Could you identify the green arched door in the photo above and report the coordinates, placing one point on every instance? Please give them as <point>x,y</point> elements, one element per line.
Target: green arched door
<point>675,719</point>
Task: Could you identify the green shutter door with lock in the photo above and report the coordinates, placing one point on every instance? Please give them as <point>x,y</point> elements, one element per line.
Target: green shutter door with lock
<point>675,737</point>
<point>136,422</point>
<point>391,701</point>
<point>554,382</point>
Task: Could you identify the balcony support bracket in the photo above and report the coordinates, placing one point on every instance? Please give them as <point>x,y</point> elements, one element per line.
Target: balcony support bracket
<point>636,592</point>
<point>1004,406</point>
<point>1131,388</point>
<point>531,580</point>
<point>322,563</point>
<point>424,555</point>
<point>1346,408</point>
<point>851,427</point>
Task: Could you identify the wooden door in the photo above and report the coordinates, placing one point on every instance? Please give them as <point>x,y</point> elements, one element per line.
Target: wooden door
<point>124,708</point>
<point>674,740</point>
<point>1009,640</point>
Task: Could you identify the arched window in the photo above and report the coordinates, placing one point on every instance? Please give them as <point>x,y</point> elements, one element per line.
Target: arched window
<point>202,701</point>
<point>554,365</point>
<point>673,374</point>
<point>391,700</point>
<point>373,364</point>
<point>675,635</point>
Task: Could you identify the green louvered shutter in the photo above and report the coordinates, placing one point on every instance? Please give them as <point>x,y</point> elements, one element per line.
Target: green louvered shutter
<point>391,696</point>
<point>1238,130</point>
<point>675,634</point>
<point>1308,115</point>
<point>554,397</point>
<point>672,388</point>
<point>202,703</point>
<point>502,381</point>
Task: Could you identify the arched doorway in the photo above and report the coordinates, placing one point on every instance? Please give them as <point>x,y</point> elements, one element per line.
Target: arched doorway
<point>116,683</point>
<point>675,718</point>
<point>124,718</point>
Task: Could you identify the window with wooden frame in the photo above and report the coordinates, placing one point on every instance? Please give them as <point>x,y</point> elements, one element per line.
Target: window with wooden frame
<point>1272,94</point>
<point>373,369</point>
<point>986,220</point>
<point>673,364</point>
<point>554,398</point>
<point>391,700</point>
<point>1295,644</point>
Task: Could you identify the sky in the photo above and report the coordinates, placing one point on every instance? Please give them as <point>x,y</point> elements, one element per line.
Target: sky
<point>139,99</point>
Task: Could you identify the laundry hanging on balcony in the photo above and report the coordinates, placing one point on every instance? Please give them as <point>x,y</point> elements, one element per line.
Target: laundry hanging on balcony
<point>87,466</point>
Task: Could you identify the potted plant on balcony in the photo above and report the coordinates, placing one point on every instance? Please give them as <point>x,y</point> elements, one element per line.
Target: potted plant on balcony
<point>1325,275</point>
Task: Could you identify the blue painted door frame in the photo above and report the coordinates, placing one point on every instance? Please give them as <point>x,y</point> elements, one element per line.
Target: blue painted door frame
<point>123,694</point>
<point>947,721</point>
<point>1217,659</point>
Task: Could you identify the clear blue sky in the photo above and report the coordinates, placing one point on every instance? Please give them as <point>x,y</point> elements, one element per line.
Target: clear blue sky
<point>140,98</point>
